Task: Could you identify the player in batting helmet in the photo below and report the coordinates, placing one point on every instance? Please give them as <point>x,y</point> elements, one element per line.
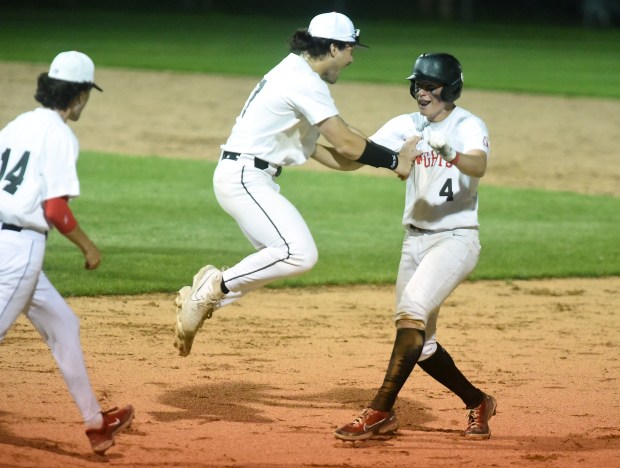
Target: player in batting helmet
<point>440,68</point>
<point>441,245</point>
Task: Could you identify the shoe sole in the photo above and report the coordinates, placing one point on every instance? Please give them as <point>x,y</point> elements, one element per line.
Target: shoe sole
<point>182,341</point>
<point>387,429</point>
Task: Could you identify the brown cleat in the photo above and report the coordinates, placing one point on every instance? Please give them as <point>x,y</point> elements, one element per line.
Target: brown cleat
<point>114,421</point>
<point>370,423</point>
<point>478,419</point>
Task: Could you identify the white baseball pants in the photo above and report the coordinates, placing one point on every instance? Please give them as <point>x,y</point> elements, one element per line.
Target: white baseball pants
<point>25,288</point>
<point>432,265</point>
<point>272,224</point>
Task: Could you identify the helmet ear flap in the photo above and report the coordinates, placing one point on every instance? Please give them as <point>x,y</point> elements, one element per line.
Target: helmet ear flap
<point>412,89</point>
<point>452,92</point>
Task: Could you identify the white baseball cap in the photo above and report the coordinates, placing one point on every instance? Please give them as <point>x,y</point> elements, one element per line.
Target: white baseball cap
<point>334,26</point>
<point>74,67</point>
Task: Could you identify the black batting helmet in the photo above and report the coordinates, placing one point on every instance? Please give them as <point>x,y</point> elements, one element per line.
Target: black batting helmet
<point>441,68</point>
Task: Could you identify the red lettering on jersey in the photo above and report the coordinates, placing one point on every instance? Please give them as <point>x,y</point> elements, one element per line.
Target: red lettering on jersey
<point>431,159</point>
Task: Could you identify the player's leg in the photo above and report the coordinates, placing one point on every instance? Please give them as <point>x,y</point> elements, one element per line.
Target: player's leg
<point>446,260</point>
<point>458,255</point>
<point>410,332</point>
<point>285,246</point>
<point>481,406</point>
<point>60,328</point>
<point>442,368</point>
<point>21,259</point>
<point>379,417</point>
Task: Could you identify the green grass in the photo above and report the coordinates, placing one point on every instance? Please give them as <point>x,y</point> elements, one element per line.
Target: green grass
<point>157,222</point>
<point>512,57</point>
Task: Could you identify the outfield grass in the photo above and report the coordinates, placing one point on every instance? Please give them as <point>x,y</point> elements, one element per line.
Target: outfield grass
<point>157,222</point>
<point>552,60</point>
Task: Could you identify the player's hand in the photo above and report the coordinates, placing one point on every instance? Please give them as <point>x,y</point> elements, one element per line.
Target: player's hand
<point>439,143</point>
<point>92,257</point>
<point>406,157</point>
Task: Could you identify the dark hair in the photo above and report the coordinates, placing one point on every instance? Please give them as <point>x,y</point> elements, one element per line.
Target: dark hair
<point>302,41</point>
<point>58,94</point>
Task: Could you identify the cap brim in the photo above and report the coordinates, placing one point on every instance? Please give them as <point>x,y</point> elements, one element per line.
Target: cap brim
<point>357,44</point>
<point>97,87</point>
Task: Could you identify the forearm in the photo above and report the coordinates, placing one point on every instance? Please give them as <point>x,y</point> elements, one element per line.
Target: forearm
<point>473,164</point>
<point>87,247</point>
<point>329,157</point>
<point>346,142</point>
<point>81,240</point>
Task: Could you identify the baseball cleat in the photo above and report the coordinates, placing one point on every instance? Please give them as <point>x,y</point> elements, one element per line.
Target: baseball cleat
<point>478,419</point>
<point>369,424</point>
<point>114,421</point>
<point>206,289</point>
<point>194,305</point>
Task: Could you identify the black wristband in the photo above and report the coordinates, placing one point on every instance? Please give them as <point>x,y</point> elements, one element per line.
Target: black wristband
<point>378,156</point>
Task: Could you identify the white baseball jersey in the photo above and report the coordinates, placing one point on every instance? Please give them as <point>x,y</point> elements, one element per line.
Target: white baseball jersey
<point>38,152</point>
<point>278,121</point>
<point>439,196</point>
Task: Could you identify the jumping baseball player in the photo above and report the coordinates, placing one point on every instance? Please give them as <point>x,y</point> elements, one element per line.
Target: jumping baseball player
<point>38,177</point>
<point>279,126</point>
<point>441,245</point>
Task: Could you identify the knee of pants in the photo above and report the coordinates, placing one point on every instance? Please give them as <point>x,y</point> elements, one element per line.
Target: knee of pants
<point>305,259</point>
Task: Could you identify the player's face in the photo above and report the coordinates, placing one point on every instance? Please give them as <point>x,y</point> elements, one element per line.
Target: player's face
<point>78,106</point>
<point>341,58</point>
<point>428,96</point>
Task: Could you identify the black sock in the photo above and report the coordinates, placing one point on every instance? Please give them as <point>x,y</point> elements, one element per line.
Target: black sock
<point>223,287</point>
<point>405,353</point>
<point>441,367</point>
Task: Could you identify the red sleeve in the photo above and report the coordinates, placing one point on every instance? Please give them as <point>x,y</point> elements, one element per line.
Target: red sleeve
<point>58,213</point>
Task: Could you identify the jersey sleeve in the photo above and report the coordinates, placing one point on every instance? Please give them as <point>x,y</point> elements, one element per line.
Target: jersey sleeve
<point>474,135</point>
<point>395,131</point>
<point>313,99</point>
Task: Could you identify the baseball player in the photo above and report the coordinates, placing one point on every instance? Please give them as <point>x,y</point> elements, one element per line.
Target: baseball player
<point>279,126</point>
<point>441,245</point>
<point>38,177</point>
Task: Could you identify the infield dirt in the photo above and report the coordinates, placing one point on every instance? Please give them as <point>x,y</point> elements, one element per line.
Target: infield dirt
<point>272,376</point>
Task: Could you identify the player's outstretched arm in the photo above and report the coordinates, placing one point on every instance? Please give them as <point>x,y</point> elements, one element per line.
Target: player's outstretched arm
<point>329,157</point>
<point>351,145</point>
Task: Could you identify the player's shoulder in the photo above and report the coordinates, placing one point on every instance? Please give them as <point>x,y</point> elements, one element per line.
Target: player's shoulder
<point>467,118</point>
<point>413,122</point>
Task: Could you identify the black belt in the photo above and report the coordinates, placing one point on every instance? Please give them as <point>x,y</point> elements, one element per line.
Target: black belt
<point>11,227</point>
<point>258,162</point>
<point>420,230</point>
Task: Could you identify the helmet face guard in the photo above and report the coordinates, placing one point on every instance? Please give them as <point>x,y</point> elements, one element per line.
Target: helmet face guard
<point>438,68</point>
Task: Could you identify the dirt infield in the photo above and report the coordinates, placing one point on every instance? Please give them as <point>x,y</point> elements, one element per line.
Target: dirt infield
<point>273,375</point>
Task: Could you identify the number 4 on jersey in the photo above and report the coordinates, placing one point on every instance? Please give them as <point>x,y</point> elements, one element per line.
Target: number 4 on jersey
<point>16,175</point>
<point>446,190</point>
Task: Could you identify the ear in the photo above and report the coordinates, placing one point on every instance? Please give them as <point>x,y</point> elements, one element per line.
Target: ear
<point>333,49</point>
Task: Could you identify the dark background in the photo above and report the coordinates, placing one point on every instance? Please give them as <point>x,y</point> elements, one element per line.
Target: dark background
<point>589,13</point>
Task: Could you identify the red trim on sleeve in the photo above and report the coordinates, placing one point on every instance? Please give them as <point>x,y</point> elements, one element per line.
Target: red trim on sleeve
<point>58,213</point>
